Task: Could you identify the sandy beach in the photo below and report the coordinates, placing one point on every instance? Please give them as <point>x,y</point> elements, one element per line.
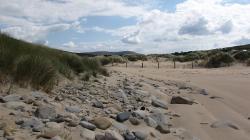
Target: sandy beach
<point>223,113</point>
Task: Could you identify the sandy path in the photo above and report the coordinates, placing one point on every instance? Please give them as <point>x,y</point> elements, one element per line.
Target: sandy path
<point>231,84</point>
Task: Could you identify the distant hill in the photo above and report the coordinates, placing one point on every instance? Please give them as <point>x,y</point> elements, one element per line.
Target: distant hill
<point>106,53</point>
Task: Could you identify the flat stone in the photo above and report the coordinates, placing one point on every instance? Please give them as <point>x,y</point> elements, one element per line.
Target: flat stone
<point>15,105</point>
<point>88,125</point>
<point>33,123</point>
<point>224,124</point>
<point>73,109</point>
<point>102,123</point>
<point>11,98</point>
<point>122,117</point>
<point>159,103</point>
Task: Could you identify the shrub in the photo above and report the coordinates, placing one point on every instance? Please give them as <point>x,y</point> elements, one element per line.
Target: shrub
<point>220,60</point>
<point>136,57</point>
<point>36,71</point>
<point>242,56</point>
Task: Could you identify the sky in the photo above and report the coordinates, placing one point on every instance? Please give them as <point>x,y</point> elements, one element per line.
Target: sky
<point>144,26</point>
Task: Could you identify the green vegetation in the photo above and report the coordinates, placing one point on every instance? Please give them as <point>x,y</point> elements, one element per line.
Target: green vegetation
<point>105,60</point>
<point>242,55</point>
<point>40,66</point>
<point>220,60</point>
<point>136,57</point>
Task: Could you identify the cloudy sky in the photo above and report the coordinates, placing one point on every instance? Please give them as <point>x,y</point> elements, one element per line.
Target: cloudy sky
<point>146,26</point>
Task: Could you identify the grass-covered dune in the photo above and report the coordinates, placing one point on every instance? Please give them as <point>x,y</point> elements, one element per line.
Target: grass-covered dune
<point>39,66</point>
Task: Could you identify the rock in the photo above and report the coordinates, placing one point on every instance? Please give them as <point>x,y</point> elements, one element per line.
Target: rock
<point>109,135</point>
<point>88,125</point>
<point>134,121</point>
<point>97,104</point>
<point>159,103</point>
<point>140,114</point>
<point>163,128</point>
<point>159,118</point>
<point>46,112</point>
<point>73,109</point>
<point>102,123</point>
<point>28,99</point>
<point>52,129</point>
<point>140,135</point>
<point>181,100</point>
<point>87,134</point>
<point>121,96</point>
<point>113,135</point>
<point>120,127</point>
<point>150,122</point>
<point>32,123</point>
<point>129,136</point>
<point>15,105</point>
<point>224,124</point>
<point>204,92</point>
<point>11,98</point>
<point>122,117</point>
<point>38,95</point>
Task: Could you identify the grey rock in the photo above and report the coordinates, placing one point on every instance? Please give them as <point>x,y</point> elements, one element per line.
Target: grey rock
<point>46,112</point>
<point>73,109</point>
<point>87,134</point>
<point>159,118</point>
<point>121,117</point>
<point>119,126</point>
<point>38,95</point>
<point>163,128</point>
<point>11,98</point>
<point>134,121</point>
<point>140,114</point>
<point>203,92</point>
<point>32,123</point>
<point>88,125</point>
<point>181,100</point>
<point>109,135</point>
<point>98,104</point>
<point>150,122</point>
<point>159,103</point>
<point>140,135</point>
<point>129,136</point>
<point>15,105</point>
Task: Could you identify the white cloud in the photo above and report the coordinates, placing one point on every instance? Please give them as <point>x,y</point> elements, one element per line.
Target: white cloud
<point>69,44</point>
<point>196,24</point>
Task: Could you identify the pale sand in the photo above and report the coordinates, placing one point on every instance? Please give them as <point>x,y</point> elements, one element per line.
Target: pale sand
<point>231,84</point>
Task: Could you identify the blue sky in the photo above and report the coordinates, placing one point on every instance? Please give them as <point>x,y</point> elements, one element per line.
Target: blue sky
<point>145,26</point>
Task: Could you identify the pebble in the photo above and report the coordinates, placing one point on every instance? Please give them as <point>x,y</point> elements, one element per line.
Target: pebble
<point>88,125</point>
<point>102,123</point>
<point>122,117</point>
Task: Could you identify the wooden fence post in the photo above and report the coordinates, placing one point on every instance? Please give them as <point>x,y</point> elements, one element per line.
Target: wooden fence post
<point>126,64</point>
<point>142,64</point>
<point>174,64</point>
<point>158,65</point>
<point>192,64</point>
